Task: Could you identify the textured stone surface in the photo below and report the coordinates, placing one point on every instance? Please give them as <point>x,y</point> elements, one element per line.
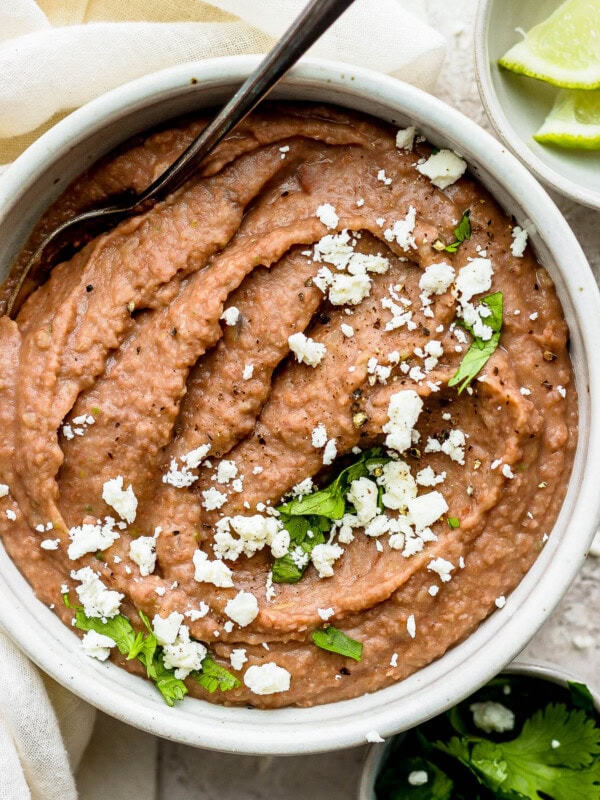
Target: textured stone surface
<point>186,773</point>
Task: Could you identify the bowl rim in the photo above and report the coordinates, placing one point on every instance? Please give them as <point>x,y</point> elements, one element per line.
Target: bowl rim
<point>501,124</point>
<point>336,725</point>
<point>544,670</point>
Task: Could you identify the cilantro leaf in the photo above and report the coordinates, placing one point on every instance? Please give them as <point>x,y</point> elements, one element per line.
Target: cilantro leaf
<point>145,647</point>
<point>213,676</point>
<point>480,350</point>
<point>315,513</point>
<point>171,688</point>
<point>462,233</point>
<point>581,697</point>
<point>578,735</point>
<point>529,765</point>
<point>336,641</point>
<point>393,783</point>
<point>330,501</point>
<point>288,568</point>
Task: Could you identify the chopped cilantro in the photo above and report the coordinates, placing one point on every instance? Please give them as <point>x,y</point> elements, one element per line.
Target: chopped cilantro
<point>336,641</point>
<point>553,752</point>
<point>528,765</point>
<point>480,350</point>
<point>213,676</point>
<point>453,522</point>
<point>315,513</point>
<point>144,647</point>
<point>462,233</point>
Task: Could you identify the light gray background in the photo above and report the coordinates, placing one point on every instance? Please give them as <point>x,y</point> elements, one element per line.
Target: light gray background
<point>186,773</point>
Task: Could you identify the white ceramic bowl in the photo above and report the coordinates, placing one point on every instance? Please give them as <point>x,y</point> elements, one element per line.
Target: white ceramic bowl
<point>45,170</point>
<point>517,105</point>
<point>534,669</point>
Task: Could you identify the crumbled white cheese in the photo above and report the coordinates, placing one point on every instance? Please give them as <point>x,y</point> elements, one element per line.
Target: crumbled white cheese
<point>306,350</point>
<point>318,439</point>
<point>330,452</point>
<point>215,572</point>
<point>394,660</point>
<point>399,484</point>
<point>437,278</point>
<point>267,678</point>
<point>441,567</point>
<point>402,230</point>
<point>443,168</point>
<point>142,551</point>
<point>248,372</point>
<point>403,412</point>
<point>405,138</point>
<point>97,645</point>
<point>500,601</point>
<point>363,496</point>
<point>326,214</point>
<point>474,278</point>
<point>184,655</point>
<point>96,599</point>
<point>254,533</point>
<point>181,478</point>
<point>349,289</point>
<point>433,590</point>
<point>411,626</point>
<point>122,500</point>
<point>418,777</point>
<point>453,446</point>
<point>381,176</point>
<point>238,658</point>
<point>325,613</point>
<point>212,498</point>
<point>347,330</point>
<point>426,509</point>
<point>427,477</point>
<point>89,538</point>
<point>226,471</point>
<point>166,628</point>
<point>492,717</point>
<point>323,557</point>
<point>519,242</point>
<point>243,608</point>
<point>231,315</point>
<point>4,489</point>
<point>49,544</point>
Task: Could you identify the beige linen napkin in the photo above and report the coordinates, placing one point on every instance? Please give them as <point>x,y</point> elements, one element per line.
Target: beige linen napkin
<point>56,55</point>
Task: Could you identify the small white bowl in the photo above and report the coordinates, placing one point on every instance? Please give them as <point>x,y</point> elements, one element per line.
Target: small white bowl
<point>516,105</point>
<point>46,169</point>
<point>539,669</point>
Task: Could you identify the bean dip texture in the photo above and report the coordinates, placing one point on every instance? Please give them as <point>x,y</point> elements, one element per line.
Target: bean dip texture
<point>174,395</point>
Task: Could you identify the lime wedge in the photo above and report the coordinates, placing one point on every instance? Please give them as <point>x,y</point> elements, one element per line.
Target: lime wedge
<point>574,121</point>
<point>564,50</point>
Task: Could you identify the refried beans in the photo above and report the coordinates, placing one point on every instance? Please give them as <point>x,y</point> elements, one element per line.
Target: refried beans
<point>303,425</point>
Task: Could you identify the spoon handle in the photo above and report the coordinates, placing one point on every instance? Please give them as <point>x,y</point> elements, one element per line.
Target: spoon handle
<point>314,20</point>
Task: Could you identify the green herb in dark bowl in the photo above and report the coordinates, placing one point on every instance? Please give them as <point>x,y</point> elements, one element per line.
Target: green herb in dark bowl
<point>517,738</point>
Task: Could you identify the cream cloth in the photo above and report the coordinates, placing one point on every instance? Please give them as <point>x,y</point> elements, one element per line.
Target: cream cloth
<point>54,56</point>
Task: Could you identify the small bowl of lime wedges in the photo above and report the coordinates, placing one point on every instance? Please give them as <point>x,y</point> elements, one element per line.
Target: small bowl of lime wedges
<point>538,72</point>
<point>532,732</point>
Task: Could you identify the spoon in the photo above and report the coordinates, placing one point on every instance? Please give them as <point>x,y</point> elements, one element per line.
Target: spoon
<point>314,20</point>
